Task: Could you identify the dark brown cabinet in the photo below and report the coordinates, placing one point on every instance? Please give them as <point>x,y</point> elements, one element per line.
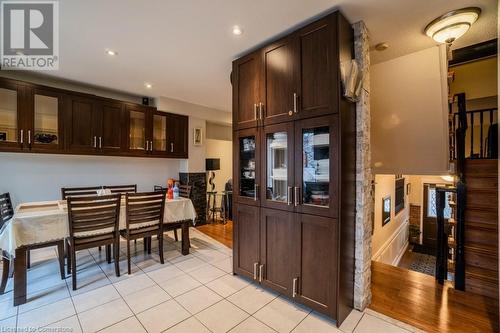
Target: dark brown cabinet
<point>294,167</point>
<point>41,119</point>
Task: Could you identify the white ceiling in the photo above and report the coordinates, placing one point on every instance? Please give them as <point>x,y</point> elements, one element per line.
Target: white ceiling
<point>185,47</point>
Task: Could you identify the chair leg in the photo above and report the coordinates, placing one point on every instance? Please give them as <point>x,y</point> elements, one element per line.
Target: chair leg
<point>60,255</point>
<point>175,235</point>
<point>160,247</point>
<point>5,273</point>
<point>116,248</point>
<point>149,244</point>
<point>28,259</point>
<point>68,258</point>
<point>128,257</point>
<point>99,249</point>
<point>108,253</point>
<point>145,241</point>
<point>73,268</point>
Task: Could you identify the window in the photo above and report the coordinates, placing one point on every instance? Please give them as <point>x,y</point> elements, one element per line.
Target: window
<point>431,204</point>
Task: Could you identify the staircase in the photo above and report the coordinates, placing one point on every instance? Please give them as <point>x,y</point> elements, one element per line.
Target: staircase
<point>481,227</point>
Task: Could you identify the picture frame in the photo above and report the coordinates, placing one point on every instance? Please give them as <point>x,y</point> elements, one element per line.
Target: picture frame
<point>197,136</point>
<point>408,189</point>
<point>386,210</point>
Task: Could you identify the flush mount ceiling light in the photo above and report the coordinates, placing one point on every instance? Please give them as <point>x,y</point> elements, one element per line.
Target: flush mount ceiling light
<point>148,85</point>
<point>381,46</point>
<point>237,31</point>
<point>111,52</point>
<point>452,25</point>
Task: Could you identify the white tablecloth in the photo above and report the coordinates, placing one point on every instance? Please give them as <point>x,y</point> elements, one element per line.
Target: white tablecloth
<point>40,222</point>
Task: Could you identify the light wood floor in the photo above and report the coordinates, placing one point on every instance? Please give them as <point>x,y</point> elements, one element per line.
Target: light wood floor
<point>416,299</point>
<point>218,231</point>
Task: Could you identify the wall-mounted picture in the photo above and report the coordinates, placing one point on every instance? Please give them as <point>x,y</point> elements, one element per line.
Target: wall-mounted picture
<point>386,210</point>
<point>408,189</point>
<point>197,136</point>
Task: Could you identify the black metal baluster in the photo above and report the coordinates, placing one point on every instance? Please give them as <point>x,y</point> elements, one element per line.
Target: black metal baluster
<point>460,236</point>
<point>472,135</point>
<point>442,241</point>
<point>481,134</point>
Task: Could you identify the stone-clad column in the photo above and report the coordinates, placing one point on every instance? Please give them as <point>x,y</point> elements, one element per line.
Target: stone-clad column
<point>364,195</point>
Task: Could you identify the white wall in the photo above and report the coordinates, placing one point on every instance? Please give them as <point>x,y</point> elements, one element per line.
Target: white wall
<point>389,241</point>
<point>38,177</point>
<point>221,149</point>
<point>409,114</point>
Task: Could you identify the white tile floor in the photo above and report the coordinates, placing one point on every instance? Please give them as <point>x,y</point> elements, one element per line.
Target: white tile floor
<point>194,293</point>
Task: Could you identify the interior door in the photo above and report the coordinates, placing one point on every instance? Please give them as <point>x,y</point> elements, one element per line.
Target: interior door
<point>46,121</point>
<point>314,276</point>
<point>177,134</point>
<point>246,90</point>
<point>246,237</point>
<point>82,133</point>
<point>246,168</point>
<point>429,233</point>
<point>12,128</point>
<point>277,166</point>
<point>111,125</point>
<point>280,75</point>
<point>277,231</point>
<point>316,166</point>
<point>318,78</point>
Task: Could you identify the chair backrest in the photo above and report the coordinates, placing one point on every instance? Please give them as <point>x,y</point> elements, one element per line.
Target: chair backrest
<point>185,191</point>
<point>6,209</point>
<point>79,191</point>
<point>122,189</point>
<point>145,208</point>
<point>158,188</point>
<point>93,214</point>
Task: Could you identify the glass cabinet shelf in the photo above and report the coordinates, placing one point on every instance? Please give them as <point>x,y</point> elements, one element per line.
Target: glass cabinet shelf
<point>247,166</point>
<point>316,166</point>
<point>277,168</point>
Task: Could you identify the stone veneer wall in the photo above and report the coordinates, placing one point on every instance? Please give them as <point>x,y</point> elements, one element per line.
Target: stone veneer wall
<point>198,182</point>
<point>364,178</point>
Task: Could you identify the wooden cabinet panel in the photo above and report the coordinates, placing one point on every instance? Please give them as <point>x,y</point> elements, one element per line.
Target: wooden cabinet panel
<point>111,127</point>
<point>82,135</point>
<point>139,128</point>
<point>246,236</point>
<point>13,127</point>
<point>246,90</point>
<point>177,135</point>
<point>280,66</point>
<point>276,249</point>
<point>246,171</point>
<point>316,253</point>
<point>318,68</point>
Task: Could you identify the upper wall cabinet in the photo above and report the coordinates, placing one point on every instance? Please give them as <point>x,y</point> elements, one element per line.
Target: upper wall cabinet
<point>177,135</point>
<point>247,102</point>
<point>12,121</point>
<point>109,124</point>
<point>138,120</point>
<point>81,133</point>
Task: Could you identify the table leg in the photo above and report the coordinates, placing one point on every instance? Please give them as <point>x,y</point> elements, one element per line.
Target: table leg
<point>20,276</point>
<point>5,272</point>
<point>185,238</point>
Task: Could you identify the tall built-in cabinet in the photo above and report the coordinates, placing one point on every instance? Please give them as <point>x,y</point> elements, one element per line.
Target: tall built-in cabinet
<point>41,119</point>
<point>294,167</point>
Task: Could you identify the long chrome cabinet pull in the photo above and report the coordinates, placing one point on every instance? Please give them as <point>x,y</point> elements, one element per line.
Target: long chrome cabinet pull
<point>289,196</point>
<point>151,146</point>
<point>295,102</point>
<point>100,142</point>
<point>261,268</point>
<point>255,192</point>
<point>147,145</point>
<point>95,141</point>
<point>294,287</point>
<point>22,137</point>
<point>255,265</point>
<point>296,196</point>
<point>29,137</point>
<point>171,147</point>
<point>255,111</point>
<point>261,106</point>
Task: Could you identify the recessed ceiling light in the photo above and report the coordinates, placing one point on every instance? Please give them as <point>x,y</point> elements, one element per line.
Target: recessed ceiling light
<point>452,25</point>
<point>237,30</point>
<point>148,85</point>
<point>111,52</point>
<point>381,46</point>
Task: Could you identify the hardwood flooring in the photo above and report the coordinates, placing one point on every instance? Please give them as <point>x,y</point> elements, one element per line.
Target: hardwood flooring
<point>218,231</point>
<point>416,299</point>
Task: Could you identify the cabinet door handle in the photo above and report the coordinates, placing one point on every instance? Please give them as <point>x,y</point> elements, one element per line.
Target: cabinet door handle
<point>95,141</point>
<point>147,145</point>
<point>151,147</point>
<point>29,137</point>
<point>255,192</point>
<point>171,147</point>
<point>296,196</point>
<point>261,106</point>
<point>100,142</point>
<point>295,97</point>
<point>294,287</point>
<point>255,111</point>
<point>289,196</point>
<point>22,137</point>
<point>261,268</point>
<point>255,265</point>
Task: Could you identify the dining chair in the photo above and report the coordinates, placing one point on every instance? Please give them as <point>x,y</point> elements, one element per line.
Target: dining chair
<point>122,189</point>
<point>93,221</point>
<point>184,192</point>
<point>79,191</point>
<point>6,213</point>
<point>144,217</point>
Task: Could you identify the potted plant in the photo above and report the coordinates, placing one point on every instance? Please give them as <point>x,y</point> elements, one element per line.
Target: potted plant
<point>415,234</point>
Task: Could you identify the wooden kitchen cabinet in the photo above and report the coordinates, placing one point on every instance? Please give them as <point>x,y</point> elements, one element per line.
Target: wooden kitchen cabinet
<point>246,237</point>
<point>13,123</point>
<point>110,124</point>
<point>138,124</point>
<point>81,134</point>
<point>177,135</point>
<point>247,166</point>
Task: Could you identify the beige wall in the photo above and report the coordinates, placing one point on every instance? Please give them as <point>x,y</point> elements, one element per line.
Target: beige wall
<point>388,241</point>
<point>477,79</point>
<point>409,114</point>
<point>221,149</point>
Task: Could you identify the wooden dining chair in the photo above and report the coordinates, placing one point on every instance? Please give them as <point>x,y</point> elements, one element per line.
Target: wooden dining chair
<point>144,213</point>
<point>184,192</point>
<point>93,221</point>
<point>79,191</point>
<point>122,189</point>
<point>6,213</point>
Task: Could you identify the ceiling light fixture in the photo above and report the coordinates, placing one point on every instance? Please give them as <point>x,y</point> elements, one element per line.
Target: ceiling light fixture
<point>148,85</point>
<point>111,52</point>
<point>237,30</point>
<point>381,46</point>
<point>452,25</point>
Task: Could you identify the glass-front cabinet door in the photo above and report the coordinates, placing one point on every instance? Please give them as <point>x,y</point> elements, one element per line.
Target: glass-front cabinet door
<point>45,128</point>
<point>247,172</point>
<point>139,120</point>
<point>316,174</point>
<point>11,127</point>
<point>159,133</point>
<point>277,166</point>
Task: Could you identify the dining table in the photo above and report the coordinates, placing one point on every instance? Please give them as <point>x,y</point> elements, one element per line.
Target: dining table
<point>37,223</point>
